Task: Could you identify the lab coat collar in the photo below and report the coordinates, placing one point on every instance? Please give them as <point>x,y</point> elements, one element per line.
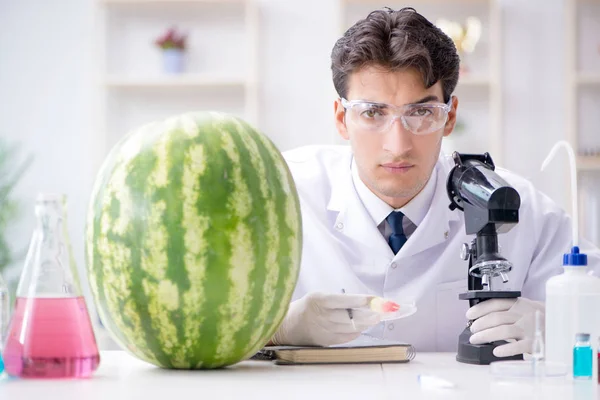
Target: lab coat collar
<point>355,222</point>
<point>415,210</point>
<point>435,227</point>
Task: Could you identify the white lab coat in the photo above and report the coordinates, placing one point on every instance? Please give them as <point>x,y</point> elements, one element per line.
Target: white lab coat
<point>342,248</point>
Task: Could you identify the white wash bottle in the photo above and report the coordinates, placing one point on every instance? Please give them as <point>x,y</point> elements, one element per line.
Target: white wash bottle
<point>572,297</point>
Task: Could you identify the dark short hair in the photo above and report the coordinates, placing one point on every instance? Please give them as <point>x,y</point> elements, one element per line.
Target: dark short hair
<point>396,40</point>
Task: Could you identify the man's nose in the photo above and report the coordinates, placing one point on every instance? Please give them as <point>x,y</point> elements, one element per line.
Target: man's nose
<point>397,139</point>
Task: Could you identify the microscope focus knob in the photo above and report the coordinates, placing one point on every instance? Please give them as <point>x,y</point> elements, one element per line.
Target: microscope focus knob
<point>464,252</point>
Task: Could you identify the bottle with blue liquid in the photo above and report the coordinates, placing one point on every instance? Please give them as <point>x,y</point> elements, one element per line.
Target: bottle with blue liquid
<point>583,360</point>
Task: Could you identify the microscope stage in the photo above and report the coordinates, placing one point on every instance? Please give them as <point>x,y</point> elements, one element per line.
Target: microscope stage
<point>488,294</point>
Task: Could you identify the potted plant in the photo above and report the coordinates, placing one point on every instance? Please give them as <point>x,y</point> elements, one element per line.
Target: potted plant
<point>10,173</point>
<point>173,46</point>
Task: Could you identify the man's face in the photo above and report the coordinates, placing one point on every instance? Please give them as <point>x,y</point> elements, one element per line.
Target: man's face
<point>392,161</point>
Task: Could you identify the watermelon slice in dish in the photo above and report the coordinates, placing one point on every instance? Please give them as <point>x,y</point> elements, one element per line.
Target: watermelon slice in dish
<point>390,310</point>
<point>380,305</point>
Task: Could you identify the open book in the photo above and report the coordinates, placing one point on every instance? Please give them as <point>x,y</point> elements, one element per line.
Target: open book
<point>364,349</point>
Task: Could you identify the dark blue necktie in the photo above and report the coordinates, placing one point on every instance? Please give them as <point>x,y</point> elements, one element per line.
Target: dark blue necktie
<point>397,238</point>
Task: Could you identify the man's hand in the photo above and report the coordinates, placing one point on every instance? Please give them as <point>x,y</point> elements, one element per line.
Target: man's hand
<point>512,320</point>
<point>320,319</point>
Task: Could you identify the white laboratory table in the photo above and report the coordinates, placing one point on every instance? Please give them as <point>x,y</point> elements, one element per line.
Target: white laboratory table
<point>121,376</point>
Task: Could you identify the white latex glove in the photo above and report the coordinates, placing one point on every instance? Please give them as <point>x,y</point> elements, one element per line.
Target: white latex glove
<point>512,320</point>
<point>320,319</point>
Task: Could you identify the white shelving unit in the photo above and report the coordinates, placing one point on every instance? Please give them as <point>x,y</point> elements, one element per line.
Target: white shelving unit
<point>187,80</point>
<point>222,71</point>
<point>221,65</point>
<point>163,2</point>
<point>583,79</point>
<point>582,105</point>
<point>582,25</point>
<point>480,90</point>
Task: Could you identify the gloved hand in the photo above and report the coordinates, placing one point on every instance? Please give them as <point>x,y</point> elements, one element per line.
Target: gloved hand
<point>320,319</point>
<point>512,320</point>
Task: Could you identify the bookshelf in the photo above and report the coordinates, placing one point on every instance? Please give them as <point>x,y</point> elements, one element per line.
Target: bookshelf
<point>221,64</point>
<point>583,80</point>
<point>582,101</point>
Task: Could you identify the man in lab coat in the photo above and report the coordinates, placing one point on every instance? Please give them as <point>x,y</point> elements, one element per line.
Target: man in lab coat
<point>376,219</point>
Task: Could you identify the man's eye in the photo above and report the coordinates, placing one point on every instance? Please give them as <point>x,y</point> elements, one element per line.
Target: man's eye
<point>421,112</point>
<point>371,113</point>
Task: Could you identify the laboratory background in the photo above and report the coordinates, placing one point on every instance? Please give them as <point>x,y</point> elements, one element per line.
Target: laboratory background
<point>78,75</point>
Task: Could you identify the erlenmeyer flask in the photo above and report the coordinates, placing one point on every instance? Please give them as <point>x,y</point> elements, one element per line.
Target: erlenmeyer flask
<point>4,317</point>
<point>50,333</point>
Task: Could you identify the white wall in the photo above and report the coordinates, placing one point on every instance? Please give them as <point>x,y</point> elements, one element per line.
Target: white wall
<point>534,79</point>
<point>46,90</point>
<point>296,81</point>
<point>45,98</point>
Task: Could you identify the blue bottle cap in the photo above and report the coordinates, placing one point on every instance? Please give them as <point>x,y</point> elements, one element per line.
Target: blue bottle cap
<point>575,257</point>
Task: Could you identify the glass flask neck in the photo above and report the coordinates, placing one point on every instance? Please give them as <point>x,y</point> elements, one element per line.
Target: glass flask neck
<point>49,269</point>
<point>50,213</point>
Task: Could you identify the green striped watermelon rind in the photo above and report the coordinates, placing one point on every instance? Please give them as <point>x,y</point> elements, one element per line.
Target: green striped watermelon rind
<point>207,193</point>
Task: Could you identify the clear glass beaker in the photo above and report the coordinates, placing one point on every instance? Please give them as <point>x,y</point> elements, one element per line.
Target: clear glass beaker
<point>50,333</point>
<point>4,317</point>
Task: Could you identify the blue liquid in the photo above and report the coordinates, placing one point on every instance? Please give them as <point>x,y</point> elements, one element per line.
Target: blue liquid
<point>1,364</point>
<point>582,362</point>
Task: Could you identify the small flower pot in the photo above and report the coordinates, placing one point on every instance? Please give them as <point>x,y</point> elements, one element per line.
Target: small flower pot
<point>173,61</point>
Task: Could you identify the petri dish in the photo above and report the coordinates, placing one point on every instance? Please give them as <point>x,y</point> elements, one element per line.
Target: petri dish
<point>525,369</point>
<point>390,310</point>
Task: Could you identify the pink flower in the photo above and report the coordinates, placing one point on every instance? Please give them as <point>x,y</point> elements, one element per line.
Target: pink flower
<point>171,40</point>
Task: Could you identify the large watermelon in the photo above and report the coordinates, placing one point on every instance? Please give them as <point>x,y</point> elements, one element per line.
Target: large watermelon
<point>193,241</point>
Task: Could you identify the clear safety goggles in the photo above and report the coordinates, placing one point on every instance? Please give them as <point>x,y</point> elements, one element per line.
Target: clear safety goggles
<point>418,118</point>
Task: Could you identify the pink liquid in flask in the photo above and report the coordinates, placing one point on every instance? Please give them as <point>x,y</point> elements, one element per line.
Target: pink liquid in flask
<point>51,338</point>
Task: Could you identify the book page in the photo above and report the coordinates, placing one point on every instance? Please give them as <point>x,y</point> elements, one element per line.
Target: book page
<point>367,340</point>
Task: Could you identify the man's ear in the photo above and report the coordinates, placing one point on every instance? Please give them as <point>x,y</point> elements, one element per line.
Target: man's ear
<point>449,127</point>
<point>340,119</point>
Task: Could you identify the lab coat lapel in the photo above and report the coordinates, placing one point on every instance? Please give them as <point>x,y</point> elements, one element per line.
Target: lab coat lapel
<point>435,227</point>
<point>353,219</point>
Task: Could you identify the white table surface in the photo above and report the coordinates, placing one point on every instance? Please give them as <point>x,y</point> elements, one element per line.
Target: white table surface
<point>121,376</point>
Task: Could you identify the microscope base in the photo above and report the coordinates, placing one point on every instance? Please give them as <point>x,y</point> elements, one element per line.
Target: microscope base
<point>480,354</point>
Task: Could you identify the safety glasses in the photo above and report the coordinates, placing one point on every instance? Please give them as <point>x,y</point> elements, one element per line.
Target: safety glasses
<point>419,118</point>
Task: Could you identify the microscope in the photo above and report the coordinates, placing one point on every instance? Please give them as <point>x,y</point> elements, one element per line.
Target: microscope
<point>490,206</point>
